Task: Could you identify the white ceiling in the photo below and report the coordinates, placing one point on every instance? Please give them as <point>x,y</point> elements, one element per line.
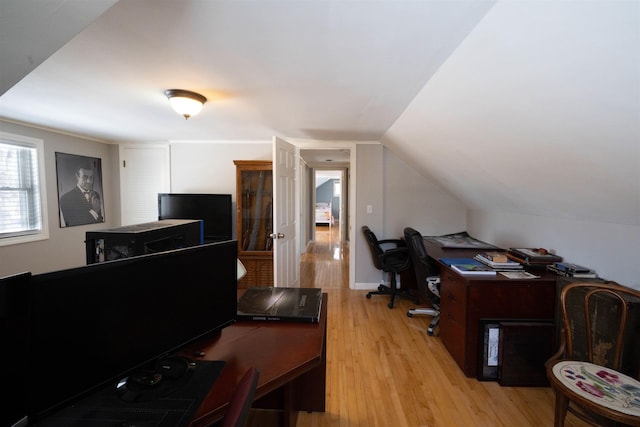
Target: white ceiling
<point>326,158</point>
<point>529,106</point>
<point>322,69</point>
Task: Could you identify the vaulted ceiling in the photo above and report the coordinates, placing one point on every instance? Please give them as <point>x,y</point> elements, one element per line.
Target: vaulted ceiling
<point>324,69</point>
<point>525,106</point>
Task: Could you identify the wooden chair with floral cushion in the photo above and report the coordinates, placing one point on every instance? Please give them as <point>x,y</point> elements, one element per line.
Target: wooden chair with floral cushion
<point>585,373</point>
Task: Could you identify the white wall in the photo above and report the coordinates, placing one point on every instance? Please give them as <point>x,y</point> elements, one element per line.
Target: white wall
<point>306,198</point>
<point>65,247</point>
<point>411,200</point>
<point>399,198</point>
<point>208,167</point>
<point>369,183</point>
<point>610,249</point>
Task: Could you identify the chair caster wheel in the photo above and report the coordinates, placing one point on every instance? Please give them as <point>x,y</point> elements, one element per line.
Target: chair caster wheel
<point>430,333</point>
<point>409,314</point>
<point>390,305</point>
<point>368,296</point>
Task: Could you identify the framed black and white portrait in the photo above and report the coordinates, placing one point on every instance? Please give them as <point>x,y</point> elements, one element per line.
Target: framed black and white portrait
<point>80,197</point>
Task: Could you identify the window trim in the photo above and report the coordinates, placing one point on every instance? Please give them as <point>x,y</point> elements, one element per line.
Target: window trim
<point>38,144</point>
<point>337,188</point>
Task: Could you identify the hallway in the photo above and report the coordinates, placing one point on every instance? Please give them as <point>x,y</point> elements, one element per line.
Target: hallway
<point>325,264</point>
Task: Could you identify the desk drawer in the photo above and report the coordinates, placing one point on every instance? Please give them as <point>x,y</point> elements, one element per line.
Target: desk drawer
<point>453,300</point>
<point>452,335</point>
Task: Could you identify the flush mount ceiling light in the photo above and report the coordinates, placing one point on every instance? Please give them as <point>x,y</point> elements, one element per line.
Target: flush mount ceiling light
<point>185,102</point>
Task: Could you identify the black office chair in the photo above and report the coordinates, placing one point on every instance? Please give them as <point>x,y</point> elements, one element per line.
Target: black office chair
<point>392,260</point>
<point>427,277</point>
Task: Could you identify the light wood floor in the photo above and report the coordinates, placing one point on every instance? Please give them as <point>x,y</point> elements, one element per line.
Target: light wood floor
<point>326,234</point>
<point>384,370</point>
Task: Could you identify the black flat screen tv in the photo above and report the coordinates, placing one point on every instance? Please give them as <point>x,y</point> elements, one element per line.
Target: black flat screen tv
<point>13,336</point>
<point>93,325</point>
<point>215,210</point>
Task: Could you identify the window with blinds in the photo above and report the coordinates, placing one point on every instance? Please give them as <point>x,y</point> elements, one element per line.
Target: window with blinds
<point>22,198</point>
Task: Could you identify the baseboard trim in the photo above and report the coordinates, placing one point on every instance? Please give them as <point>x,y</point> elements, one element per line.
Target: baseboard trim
<point>366,286</point>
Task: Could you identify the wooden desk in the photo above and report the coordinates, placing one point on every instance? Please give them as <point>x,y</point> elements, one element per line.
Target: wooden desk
<point>291,358</point>
<point>464,300</point>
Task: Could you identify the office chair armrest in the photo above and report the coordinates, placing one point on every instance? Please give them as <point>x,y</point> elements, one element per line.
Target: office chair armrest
<point>397,251</point>
<point>396,256</point>
<point>396,242</point>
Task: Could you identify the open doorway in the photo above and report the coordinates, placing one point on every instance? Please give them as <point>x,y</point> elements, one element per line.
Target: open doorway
<point>328,212</point>
<point>325,262</point>
<point>326,259</point>
<point>325,181</point>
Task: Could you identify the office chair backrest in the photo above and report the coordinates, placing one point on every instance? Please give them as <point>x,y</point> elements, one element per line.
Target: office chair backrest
<point>374,246</point>
<point>238,411</point>
<point>422,264</point>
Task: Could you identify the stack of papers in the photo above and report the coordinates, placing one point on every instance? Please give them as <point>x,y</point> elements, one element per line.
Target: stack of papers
<point>499,266</point>
<point>519,275</point>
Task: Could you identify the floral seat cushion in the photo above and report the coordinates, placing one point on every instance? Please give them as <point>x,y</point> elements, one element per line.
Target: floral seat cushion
<point>601,385</point>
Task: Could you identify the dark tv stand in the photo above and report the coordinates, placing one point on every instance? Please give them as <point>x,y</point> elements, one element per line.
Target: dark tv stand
<point>142,239</point>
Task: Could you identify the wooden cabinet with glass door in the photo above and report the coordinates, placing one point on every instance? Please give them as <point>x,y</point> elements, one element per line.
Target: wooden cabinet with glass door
<point>254,221</point>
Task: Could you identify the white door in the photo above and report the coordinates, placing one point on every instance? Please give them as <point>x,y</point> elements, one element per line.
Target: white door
<point>285,260</point>
<point>144,172</point>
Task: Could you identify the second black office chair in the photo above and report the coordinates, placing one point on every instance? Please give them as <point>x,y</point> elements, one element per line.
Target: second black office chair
<point>392,257</point>
<point>427,277</point>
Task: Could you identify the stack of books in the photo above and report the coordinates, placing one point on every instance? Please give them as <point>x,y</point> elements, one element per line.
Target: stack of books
<point>533,256</point>
<point>568,269</point>
<point>498,261</point>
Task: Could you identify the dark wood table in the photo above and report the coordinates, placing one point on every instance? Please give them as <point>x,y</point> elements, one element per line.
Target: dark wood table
<point>465,301</point>
<point>291,358</point>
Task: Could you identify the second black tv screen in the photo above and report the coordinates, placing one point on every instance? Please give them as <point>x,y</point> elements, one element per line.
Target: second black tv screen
<point>215,210</point>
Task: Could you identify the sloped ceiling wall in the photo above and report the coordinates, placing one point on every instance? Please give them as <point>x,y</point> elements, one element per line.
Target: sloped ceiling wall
<point>31,31</point>
<point>536,112</point>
